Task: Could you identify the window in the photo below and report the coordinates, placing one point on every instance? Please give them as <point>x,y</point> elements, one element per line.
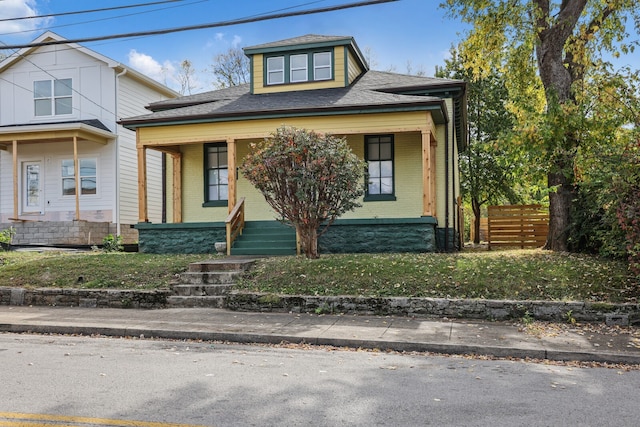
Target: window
<point>275,70</point>
<point>298,68</point>
<point>88,175</point>
<point>216,178</point>
<point>379,157</point>
<point>299,71</point>
<point>52,97</point>
<point>322,66</point>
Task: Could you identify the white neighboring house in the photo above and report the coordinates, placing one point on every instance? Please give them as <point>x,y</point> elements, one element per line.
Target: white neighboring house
<point>68,171</point>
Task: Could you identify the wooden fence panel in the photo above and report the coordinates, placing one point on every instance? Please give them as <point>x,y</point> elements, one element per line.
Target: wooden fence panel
<point>525,226</point>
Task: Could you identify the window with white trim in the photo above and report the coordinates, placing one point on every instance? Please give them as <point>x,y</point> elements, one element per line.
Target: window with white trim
<point>299,65</point>
<point>322,66</point>
<point>275,70</point>
<point>52,97</point>
<point>88,177</point>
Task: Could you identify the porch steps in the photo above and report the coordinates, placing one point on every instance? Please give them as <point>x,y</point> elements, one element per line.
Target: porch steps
<point>206,283</point>
<point>265,238</point>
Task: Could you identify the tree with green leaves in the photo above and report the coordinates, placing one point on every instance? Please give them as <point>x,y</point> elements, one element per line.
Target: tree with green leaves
<point>488,173</point>
<point>308,178</point>
<point>548,50</point>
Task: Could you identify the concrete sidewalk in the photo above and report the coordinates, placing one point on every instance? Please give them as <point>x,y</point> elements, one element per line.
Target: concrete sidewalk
<point>454,336</point>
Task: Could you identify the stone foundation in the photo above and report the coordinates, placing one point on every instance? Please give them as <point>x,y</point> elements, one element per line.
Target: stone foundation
<point>72,233</point>
<point>183,238</point>
<point>379,235</point>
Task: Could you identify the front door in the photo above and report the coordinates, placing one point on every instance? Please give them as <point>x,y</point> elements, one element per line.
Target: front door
<point>32,187</point>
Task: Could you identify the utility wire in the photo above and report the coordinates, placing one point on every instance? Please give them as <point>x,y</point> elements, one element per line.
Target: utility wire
<point>109,18</point>
<point>77,12</point>
<point>203,26</point>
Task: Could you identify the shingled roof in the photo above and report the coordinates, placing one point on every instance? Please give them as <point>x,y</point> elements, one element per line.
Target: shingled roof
<point>373,91</point>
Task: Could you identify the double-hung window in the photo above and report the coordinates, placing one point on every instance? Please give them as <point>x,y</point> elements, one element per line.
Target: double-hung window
<point>380,169</point>
<point>275,70</point>
<point>52,97</point>
<point>216,175</point>
<point>322,66</point>
<point>88,177</point>
<point>299,65</point>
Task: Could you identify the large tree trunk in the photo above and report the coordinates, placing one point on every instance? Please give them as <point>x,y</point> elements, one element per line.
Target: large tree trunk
<point>558,80</point>
<point>559,212</point>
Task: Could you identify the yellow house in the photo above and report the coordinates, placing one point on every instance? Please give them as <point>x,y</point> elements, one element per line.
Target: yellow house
<point>409,130</point>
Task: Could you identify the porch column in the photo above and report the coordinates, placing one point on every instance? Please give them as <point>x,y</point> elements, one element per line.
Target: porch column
<point>143,215</point>
<point>428,175</point>
<point>15,179</point>
<point>177,187</point>
<point>76,168</point>
<point>231,173</point>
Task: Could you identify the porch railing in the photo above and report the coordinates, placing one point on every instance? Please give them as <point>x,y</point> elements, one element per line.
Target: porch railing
<point>235,223</point>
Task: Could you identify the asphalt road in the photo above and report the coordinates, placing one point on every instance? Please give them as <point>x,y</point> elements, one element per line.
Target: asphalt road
<point>61,380</point>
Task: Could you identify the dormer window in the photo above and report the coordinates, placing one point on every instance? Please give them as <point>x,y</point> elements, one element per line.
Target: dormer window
<point>275,70</point>
<point>299,71</point>
<point>322,66</point>
<point>299,68</point>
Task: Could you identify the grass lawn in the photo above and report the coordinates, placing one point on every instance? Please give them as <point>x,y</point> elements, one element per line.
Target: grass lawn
<point>508,274</point>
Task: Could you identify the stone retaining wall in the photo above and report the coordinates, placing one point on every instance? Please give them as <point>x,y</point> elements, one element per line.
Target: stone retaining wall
<point>438,307</point>
<point>621,314</point>
<point>102,298</point>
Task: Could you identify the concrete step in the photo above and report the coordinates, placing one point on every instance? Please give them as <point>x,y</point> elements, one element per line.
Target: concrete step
<point>201,290</point>
<point>209,278</point>
<point>223,264</point>
<point>191,301</point>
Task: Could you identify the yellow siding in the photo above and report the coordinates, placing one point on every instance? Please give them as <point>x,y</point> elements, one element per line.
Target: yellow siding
<point>338,78</point>
<point>440,172</point>
<point>354,68</point>
<point>251,129</point>
<point>408,185</point>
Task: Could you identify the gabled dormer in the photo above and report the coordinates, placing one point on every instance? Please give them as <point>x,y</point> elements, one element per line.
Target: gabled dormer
<point>305,63</point>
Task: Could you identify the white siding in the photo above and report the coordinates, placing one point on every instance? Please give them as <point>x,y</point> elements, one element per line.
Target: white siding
<point>132,98</point>
<point>97,95</point>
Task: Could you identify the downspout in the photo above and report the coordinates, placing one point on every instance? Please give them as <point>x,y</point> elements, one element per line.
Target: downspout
<point>117,156</point>
<point>454,200</point>
<point>446,187</point>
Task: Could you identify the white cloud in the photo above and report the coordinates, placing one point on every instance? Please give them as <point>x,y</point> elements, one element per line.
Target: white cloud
<point>18,9</point>
<point>164,73</point>
<point>237,40</point>
<point>219,36</point>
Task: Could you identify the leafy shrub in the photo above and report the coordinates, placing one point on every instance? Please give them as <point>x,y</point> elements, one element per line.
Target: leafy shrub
<point>6,235</point>
<point>112,243</point>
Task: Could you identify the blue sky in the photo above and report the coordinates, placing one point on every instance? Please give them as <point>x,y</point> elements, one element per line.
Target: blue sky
<point>394,33</point>
<point>391,34</point>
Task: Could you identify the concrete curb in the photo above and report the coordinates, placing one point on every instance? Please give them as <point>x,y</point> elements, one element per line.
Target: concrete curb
<point>385,345</point>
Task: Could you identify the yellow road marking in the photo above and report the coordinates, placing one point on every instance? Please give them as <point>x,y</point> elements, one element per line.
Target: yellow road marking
<point>42,420</point>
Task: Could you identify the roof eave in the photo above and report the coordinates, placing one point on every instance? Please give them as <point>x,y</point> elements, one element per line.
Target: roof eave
<point>438,106</point>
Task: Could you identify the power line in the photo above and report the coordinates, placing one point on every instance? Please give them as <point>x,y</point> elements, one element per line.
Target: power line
<point>109,18</point>
<point>203,26</point>
<point>77,12</point>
